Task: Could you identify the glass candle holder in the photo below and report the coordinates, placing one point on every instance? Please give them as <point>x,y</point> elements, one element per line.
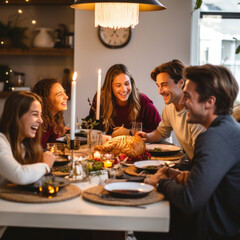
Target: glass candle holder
<point>49,188</point>
<point>108,160</point>
<point>96,156</point>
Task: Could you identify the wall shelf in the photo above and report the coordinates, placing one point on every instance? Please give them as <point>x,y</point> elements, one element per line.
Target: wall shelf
<point>38,52</point>
<point>39,2</point>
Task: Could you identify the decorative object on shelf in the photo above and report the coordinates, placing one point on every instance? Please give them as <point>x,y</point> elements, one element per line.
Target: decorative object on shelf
<point>114,38</point>
<point>115,14</point>
<point>43,39</point>
<point>62,37</point>
<point>5,77</point>
<point>12,36</point>
<point>19,79</point>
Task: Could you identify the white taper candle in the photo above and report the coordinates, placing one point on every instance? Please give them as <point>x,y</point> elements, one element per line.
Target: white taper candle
<point>73,106</point>
<point>98,95</point>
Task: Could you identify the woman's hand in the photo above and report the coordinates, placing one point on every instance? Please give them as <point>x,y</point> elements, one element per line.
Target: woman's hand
<point>154,179</point>
<point>49,158</point>
<point>65,130</point>
<point>182,177</point>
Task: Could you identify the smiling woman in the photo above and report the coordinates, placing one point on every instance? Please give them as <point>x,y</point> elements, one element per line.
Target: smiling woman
<point>122,104</point>
<point>54,103</point>
<point>20,148</point>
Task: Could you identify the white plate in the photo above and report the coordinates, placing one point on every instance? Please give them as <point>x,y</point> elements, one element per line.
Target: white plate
<point>165,149</point>
<point>145,164</point>
<point>129,189</point>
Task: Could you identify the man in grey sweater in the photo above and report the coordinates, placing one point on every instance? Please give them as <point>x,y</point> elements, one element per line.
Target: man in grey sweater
<point>170,83</point>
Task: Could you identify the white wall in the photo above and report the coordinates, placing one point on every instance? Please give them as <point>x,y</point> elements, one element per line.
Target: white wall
<point>160,36</point>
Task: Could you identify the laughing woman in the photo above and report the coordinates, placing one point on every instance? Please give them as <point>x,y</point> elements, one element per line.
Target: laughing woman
<point>22,160</point>
<point>121,103</point>
<point>54,103</point>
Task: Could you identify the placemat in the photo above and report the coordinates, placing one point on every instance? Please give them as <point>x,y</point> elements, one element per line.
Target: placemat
<point>152,197</point>
<point>19,195</point>
<point>177,156</point>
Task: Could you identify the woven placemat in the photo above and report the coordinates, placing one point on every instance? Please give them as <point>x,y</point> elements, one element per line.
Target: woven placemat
<point>18,195</point>
<point>177,156</point>
<point>152,197</point>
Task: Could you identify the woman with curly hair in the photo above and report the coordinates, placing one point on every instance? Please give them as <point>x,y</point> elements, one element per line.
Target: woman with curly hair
<point>54,103</point>
<point>22,160</point>
<point>122,104</point>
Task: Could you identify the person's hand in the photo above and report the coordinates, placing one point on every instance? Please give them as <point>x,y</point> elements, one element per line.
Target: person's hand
<point>49,158</point>
<point>143,135</point>
<point>172,173</point>
<point>64,130</point>
<point>154,179</point>
<point>182,177</point>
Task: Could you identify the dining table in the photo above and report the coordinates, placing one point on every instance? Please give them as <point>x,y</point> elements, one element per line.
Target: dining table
<point>77,213</point>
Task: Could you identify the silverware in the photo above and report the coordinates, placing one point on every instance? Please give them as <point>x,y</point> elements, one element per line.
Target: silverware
<point>110,198</point>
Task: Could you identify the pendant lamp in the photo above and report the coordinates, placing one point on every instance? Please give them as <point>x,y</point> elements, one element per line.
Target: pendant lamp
<point>115,14</point>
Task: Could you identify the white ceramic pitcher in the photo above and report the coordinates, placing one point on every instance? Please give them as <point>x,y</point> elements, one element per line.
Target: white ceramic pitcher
<point>43,39</point>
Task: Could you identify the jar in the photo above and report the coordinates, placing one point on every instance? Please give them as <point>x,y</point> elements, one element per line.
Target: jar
<point>19,79</point>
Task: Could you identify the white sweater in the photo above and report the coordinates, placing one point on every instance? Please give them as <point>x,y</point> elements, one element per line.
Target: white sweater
<point>13,171</point>
<point>186,133</point>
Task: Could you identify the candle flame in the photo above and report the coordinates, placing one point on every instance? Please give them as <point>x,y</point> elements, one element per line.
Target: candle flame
<point>99,71</point>
<point>74,76</point>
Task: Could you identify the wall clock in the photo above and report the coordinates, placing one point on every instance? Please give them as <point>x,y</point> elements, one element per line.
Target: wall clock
<point>114,38</point>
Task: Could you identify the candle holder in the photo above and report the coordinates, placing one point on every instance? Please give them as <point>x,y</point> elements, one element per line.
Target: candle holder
<point>97,156</point>
<point>108,160</point>
<point>49,188</point>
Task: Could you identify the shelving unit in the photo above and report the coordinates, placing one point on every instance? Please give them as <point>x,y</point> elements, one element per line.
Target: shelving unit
<point>38,52</point>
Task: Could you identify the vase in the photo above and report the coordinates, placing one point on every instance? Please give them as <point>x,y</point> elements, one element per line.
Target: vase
<point>43,39</point>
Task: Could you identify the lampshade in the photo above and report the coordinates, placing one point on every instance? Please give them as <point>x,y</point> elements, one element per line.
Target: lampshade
<point>118,14</point>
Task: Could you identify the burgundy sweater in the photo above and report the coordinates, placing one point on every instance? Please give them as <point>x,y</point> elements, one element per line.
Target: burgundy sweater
<point>148,115</point>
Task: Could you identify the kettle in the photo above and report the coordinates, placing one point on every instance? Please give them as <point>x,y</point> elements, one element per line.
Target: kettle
<point>43,39</point>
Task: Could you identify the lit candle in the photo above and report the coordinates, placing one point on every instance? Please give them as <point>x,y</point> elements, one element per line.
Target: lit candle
<point>98,95</point>
<point>108,163</point>
<point>97,156</point>
<point>73,106</point>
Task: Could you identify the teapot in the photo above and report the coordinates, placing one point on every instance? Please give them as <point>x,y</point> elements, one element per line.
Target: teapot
<point>43,39</point>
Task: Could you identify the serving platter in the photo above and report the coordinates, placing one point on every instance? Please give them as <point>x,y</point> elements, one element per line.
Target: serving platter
<point>162,149</point>
<point>129,189</point>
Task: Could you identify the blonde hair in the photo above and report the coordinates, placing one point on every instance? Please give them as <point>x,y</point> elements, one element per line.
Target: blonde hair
<point>16,105</point>
<point>108,98</point>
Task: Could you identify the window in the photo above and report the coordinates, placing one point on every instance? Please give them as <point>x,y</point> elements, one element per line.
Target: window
<point>219,28</point>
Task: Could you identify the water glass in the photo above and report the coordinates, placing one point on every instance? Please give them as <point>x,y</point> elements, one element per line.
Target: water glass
<point>136,127</point>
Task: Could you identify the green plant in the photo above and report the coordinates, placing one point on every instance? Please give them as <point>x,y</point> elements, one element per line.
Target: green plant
<point>12,36</point>
<point>198,4</point>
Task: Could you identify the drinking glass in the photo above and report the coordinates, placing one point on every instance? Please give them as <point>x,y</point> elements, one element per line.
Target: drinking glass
<point>136,127</point>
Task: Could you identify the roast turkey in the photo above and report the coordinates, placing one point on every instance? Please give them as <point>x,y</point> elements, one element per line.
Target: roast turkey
<point>132,146</point>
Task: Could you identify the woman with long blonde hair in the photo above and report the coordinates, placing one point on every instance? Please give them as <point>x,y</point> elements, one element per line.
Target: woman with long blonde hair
<point>22,160</point>
<point>122,104</point>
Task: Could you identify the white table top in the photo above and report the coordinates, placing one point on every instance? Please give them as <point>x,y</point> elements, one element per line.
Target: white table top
<point>80,214</point>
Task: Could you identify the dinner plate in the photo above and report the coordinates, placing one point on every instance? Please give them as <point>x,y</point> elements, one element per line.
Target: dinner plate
<point>162,149</point>
<point>129,189</point>
<point>147,163</point>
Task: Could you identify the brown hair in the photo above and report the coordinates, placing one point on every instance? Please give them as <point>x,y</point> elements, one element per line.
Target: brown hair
<point>217,81</point>
<point>174,68</point>
<point>108,99</point>
<point>43,88</point>
<point>16,105</point>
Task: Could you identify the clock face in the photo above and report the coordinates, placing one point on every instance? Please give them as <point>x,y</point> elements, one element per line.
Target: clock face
<point>114,38</point>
